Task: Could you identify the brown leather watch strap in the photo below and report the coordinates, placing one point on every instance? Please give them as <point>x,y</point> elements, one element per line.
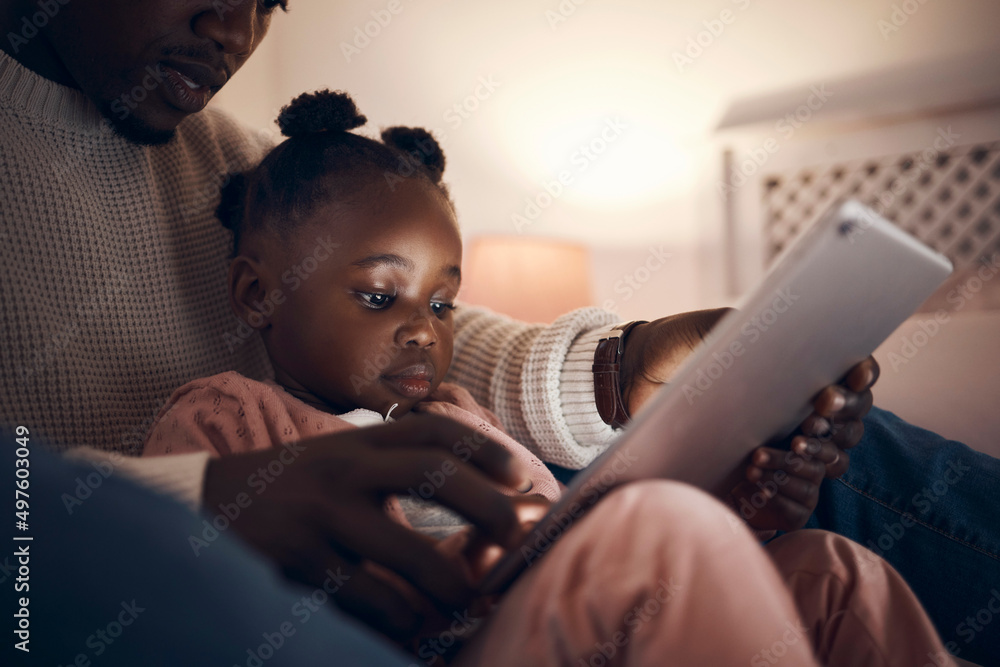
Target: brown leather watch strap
<point>607,383</point>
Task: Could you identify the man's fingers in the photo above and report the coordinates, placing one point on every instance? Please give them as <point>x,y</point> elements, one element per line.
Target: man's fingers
<point>863,375</point>
<point>847,434</point>
<point>837,402</point>
<point>332,575</point>
<point>816,425</point>
<point>818,451</point>
<point>840,466</point>
<point>367,530</point>
<point>380,605</point>
<point>440,477</point>
<point>464,443</point>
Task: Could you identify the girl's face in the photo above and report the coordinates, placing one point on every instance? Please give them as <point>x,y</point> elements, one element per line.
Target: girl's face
<point>367,294</point>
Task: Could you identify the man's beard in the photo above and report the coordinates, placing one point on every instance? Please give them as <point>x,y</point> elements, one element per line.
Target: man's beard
<point>131,128</point>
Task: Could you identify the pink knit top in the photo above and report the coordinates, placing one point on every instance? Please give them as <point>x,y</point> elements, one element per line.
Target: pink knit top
<point>229,413</point>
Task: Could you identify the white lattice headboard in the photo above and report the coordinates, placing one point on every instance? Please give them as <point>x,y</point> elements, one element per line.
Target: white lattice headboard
<point>932,166</point>
<point>928,160</point>
<point>949,199</point>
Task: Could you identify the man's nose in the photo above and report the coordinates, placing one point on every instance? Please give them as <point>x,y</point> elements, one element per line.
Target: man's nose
<point>232,24</point>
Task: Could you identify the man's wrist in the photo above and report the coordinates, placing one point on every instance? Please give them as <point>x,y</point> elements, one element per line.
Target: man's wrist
<point>608,394</point>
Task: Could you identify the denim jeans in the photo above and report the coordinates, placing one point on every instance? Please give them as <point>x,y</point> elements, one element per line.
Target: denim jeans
<point>931,508</point>
<point>113,580</point>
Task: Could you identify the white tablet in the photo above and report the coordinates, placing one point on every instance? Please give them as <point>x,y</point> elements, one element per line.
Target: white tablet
<point>828,301</point>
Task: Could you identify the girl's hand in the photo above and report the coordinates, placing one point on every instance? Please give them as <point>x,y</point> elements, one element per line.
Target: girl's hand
<point>782,484</point>
<point>780,491</point>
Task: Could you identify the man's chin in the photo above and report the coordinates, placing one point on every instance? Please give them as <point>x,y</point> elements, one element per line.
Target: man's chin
<point>134,130</point>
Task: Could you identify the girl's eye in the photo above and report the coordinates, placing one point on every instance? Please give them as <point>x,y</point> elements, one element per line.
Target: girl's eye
<point>375,301</point>
<point>440,308</point>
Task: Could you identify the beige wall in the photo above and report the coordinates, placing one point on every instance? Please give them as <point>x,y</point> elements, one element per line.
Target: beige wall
<point>559,84</point>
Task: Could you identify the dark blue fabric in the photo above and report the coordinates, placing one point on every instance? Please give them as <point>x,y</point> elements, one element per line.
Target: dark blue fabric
<point>931,508</point>
<point>116,581</point>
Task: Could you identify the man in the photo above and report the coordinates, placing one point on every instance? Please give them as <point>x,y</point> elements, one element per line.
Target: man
<point>114,296</point>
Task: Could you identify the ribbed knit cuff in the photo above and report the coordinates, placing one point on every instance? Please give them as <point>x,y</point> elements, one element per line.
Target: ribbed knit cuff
<point>180,476</point>
<point>576,389</point>
<point>542,395</point>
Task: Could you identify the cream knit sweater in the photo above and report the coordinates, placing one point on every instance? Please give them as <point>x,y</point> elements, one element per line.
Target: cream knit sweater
<point>113,294</point>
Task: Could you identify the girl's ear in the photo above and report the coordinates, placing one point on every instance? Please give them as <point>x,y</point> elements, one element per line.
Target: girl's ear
<point>248,293</point>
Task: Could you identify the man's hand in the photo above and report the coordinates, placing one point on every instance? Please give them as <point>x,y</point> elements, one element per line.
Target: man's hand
<point>325,511</point>
<point>654,352</point>
<point>835,424</point>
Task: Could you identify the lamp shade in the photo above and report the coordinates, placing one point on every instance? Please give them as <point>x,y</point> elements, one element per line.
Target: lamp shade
<point>535,280</point>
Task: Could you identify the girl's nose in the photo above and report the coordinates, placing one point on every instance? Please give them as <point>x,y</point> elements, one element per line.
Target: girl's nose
<point>418,331</point>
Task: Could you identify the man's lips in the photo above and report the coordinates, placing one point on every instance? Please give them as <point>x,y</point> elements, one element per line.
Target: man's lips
<point>189,86</point>
<point>199,74</point>
<point>412,382</point>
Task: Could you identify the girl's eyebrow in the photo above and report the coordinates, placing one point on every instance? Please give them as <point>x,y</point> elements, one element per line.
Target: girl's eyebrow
<point>400,262</point>
<point>372,261</point>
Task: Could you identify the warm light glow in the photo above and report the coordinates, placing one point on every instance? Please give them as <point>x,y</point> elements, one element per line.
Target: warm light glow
<point>615,127</point>
<point>530,279</point>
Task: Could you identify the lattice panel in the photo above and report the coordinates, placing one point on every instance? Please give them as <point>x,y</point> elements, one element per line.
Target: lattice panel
<point>951,202</point>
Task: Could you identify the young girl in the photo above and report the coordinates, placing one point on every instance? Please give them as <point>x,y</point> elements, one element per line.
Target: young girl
<point>347,261</point>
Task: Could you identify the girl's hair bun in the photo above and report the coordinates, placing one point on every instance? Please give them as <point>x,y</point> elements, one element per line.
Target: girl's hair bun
<point>322,111</point>
<point>419,144</point>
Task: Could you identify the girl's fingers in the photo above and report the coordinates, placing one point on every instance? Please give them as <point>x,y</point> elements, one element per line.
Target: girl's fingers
<point>763,510</point>
<point>791,514</point>
<point>847,434</point>
<point>796,464</point>
<point>776,483</point>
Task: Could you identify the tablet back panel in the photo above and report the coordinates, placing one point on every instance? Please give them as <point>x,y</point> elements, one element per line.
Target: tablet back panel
<point>837,292</point>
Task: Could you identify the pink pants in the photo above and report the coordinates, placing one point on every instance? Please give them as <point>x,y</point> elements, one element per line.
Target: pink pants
<point>660,573</point>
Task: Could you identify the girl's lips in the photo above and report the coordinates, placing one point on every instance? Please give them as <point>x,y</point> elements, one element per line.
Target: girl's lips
<point>183,93</point>
<point>410,387</point>
<point>412,382</point>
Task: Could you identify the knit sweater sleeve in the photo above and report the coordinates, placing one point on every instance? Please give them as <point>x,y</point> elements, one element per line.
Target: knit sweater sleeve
<point>209,417</point>
<point>181,477</point>
<point>537,379</point>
